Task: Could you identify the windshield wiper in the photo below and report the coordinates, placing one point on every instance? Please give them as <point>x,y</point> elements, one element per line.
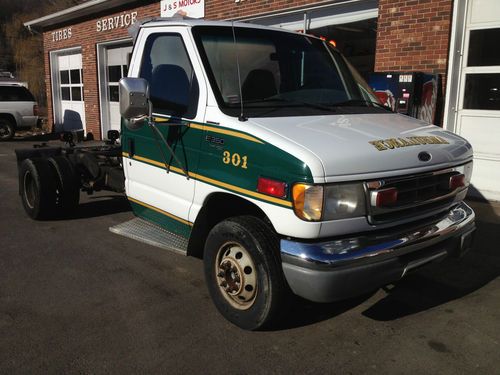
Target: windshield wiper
<point>358,102</point>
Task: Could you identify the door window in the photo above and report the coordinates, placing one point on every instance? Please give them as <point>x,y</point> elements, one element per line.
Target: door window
<point>482,91</point>
<point>483,47</point>
<point>71,84</point>
<point>482,73</point>
<point>172,83</point>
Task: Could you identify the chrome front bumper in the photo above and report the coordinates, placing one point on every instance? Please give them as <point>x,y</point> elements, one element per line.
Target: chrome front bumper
<point>342,268</point>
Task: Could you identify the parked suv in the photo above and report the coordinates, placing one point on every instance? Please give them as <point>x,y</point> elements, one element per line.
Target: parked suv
<point>18,109</point>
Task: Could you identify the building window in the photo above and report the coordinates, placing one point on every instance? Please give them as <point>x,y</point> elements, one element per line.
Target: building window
<point>482,74</point>
<point>483,47</point>
<point>71,85</point>
<point>115,73</point>
<point>482,91</point>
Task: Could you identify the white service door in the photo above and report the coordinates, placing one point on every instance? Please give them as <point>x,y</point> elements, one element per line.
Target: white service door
<point>116,68</point>
<point>72,109</point>
<point>478,117</point>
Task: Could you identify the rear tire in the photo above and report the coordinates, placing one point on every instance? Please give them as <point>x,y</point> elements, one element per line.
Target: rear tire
<point>7,129</point>
<point>37,182</point>
<point>68,185</point>
<point>243,272</point>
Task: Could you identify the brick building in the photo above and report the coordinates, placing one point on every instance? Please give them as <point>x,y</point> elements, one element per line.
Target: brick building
<point>87,47</point>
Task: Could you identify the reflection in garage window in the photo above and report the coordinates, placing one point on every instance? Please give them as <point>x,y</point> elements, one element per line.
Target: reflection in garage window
<point>65,93</point>
<point>113,94</point>
<point>483,47</point>
<point>75,76</point>
<point>64,76</point>
<point>76,93</point>
<point>482,91</point>
<point>115,73</point>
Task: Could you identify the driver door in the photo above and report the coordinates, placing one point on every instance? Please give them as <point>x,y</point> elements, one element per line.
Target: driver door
<point>159,163</point>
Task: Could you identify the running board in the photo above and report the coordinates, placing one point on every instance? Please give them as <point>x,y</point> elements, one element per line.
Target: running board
<point>144,231</point>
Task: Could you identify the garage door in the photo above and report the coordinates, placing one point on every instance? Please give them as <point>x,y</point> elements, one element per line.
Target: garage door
<point>71,109</point>
<point>116,68</point>
<point>478,115</point>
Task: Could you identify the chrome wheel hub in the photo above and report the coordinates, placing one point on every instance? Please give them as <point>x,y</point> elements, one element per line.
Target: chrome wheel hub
<point>236,276</point>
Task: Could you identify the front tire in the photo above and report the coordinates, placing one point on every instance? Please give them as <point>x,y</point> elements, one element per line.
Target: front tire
<point>243,272</point>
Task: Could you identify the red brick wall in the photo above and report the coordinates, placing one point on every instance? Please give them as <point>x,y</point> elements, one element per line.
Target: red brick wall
<point>413,35</point>
<point>84,35</point>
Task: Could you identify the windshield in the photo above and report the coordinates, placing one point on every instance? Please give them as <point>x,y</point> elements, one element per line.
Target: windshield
<point>280,74</point>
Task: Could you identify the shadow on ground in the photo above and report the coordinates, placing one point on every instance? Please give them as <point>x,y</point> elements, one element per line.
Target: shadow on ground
<point>431,286</point>
<point>302,313</point>
<point>449,280</point>
<point>95,206</point>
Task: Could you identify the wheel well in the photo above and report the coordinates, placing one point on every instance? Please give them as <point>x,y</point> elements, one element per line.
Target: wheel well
<point>9,117</point>
<point>218,207</point>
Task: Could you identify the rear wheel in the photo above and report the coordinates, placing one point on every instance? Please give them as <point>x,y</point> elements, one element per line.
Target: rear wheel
<point>37,183</point>
<point>7,129</point>
<point>68,185</point>
<point>243,273</point>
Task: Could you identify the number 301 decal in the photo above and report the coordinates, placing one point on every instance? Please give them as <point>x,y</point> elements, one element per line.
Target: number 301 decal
<point>235,159</point>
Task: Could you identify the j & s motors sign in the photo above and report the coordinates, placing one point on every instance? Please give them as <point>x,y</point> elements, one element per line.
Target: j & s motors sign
<point>189,8</point>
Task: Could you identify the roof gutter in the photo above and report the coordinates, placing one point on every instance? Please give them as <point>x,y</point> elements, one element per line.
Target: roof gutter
<point>78,11</point>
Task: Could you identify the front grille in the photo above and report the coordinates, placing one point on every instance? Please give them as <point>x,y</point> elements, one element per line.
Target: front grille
<point>417,194</point>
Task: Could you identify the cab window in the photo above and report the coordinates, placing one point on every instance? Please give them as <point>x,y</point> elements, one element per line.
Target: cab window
<point>173,86</point>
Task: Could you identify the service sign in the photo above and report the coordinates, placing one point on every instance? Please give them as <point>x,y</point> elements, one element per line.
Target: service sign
<point>188,8</point>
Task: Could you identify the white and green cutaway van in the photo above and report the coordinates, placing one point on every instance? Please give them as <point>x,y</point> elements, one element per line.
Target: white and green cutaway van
<point>265,153</point>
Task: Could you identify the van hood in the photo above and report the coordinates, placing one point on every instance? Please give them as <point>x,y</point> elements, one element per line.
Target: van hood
<point>369,143</point>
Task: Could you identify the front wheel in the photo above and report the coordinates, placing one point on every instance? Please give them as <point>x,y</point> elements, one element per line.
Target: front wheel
<point>243,272</point>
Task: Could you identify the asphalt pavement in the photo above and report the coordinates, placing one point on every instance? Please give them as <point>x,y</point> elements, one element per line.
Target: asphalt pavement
<point>77,299</point>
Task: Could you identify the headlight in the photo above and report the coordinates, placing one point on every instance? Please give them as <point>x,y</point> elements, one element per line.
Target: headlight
<point>328,202</point>
<point>344,201</point>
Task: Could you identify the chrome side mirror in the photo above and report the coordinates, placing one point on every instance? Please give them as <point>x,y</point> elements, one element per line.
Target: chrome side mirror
<point>135,106</point>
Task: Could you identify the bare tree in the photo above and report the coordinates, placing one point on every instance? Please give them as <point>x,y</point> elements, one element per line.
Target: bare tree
<point>26,49</point>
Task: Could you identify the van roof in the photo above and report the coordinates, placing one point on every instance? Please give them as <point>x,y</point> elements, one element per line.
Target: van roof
<point>190,22</point>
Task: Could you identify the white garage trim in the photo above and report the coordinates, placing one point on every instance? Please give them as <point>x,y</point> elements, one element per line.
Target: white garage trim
<point>103,81</point>
<point>476,123</point>
<point>57,114</point>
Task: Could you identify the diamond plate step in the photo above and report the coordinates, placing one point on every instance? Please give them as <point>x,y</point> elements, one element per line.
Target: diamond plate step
<point>143,231</point>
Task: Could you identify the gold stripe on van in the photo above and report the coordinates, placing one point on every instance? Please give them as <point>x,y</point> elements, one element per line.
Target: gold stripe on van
<point>172,216</point>
<point>212,181</point>
<point>214,129</point>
